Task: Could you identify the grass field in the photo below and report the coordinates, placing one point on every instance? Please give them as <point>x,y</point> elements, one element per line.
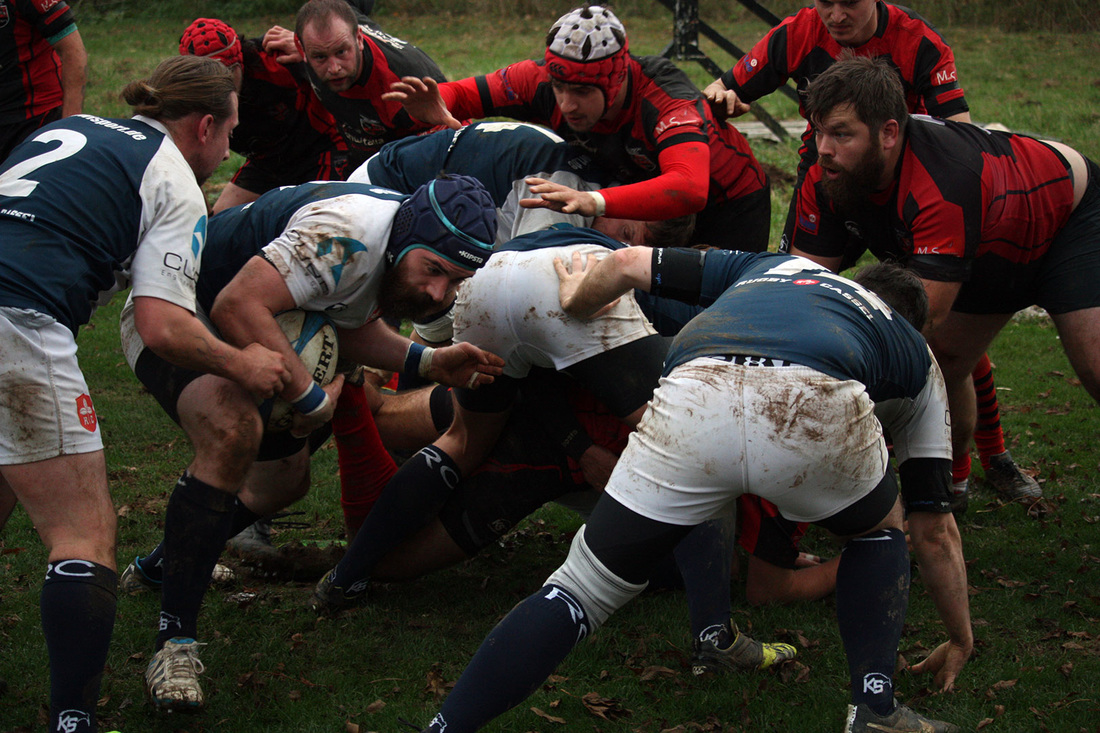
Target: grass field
<point>272,666</point>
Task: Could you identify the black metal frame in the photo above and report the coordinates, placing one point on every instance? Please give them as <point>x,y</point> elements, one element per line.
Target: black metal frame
<point>686,27</point>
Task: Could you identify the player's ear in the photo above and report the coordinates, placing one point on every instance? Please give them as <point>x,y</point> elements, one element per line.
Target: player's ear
<point>889,134</point>
<point>204,128</point>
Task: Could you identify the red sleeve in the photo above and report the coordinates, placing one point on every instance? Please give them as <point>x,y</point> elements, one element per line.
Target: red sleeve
<point>462,98</point>
<point>680,189</point>
<point>507,92</point>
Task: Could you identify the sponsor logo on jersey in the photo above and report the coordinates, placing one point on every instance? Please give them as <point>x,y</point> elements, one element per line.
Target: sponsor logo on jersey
<point>371,126</point>
<point>805,281</point>
<point>945,76</point>
<point>509,91</point>
<point>808,222</point>
<point>71,720</point>
<point>751,65</point>
<point>198,237</point>
<point>386,38</point>
<point>4,17</point>
<point>86,412</point>
<point>43,6</point>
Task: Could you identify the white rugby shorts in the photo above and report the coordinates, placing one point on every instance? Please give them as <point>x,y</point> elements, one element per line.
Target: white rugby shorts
<point>806,442</point>
<point>45,407</point>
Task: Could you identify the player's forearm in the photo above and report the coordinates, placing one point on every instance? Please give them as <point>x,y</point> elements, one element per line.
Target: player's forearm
<point>679,190</point>
<point>74,63</point>
<point>615,275</point>
<point>177,336</point>
<point>938,547</point>
<point>376,345</point>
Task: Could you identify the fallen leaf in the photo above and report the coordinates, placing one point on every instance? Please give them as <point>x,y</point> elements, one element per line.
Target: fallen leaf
<point>350,727</point>
<point>985,722</point>
<point>548,716</point>
<point>375,706</point>
<point>1004,684</point>
<point>653,672</point>
<point>604,707</point>
<point>435,685</point>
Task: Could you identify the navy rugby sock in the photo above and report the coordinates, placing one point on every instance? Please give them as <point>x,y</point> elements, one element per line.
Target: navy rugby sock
<point>197,524</point>
<point>153,563</point>
<point>515,658</point>
<point>78,616</point>
<point>872,594</point>
<point>410,500</point>
<point>704,557</point>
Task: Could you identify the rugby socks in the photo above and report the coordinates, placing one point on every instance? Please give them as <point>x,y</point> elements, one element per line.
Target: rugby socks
<point>872,594</point>
<point>988,436</point>
<point>515,658</point>
<point>365,466</point>
<point>960,470</point>
<point>197,524</point>
<point>78,615</point>
<point>704,558</point>
<point>152,565</point>
<point>412,498</point>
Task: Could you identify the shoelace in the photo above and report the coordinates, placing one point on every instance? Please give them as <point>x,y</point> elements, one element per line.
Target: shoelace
<point>181,657</point>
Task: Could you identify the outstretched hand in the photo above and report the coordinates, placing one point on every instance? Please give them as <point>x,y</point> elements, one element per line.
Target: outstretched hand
<point>569,282</point>
<point>559,198</point>
<point>422,100</point>
<point>945,662</point>
<point>464,365</point>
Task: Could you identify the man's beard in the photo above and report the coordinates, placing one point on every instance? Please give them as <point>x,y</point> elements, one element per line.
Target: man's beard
<point>850,190</point>
<point>398,300</point>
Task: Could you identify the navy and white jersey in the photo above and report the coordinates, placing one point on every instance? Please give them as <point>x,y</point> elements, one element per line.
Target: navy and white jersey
<point>88,205</point>
<point>495,153</point>
<point>328,241</point>
<point>781,307</point>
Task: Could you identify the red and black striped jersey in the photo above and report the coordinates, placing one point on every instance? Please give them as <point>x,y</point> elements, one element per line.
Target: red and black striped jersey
<point>30,70</point>
<point>276,114</point>
<point>646,141</point>
<point>364,119</point>
<point>800,48</point>
<point>961,193</point>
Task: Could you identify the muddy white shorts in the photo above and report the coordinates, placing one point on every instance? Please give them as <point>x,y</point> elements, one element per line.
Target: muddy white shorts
<point>717,429</point>
<point>511,308</point>
<point>45,408</point>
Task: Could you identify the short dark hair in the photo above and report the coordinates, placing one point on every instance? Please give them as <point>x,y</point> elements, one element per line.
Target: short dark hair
<point>872,86</point>
<point>183,85</point>
<point>322,11</point>
<point>670,232</point>
<point>900,288</point>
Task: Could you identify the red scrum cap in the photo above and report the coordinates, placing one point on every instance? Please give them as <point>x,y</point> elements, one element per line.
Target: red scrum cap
<point>588,45</point>
<point>214,38</point>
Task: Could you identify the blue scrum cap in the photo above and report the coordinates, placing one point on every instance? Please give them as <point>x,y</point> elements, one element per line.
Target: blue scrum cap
<point>453,216</point>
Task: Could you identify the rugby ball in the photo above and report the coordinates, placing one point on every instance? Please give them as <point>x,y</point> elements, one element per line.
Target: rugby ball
<point>314,340</point>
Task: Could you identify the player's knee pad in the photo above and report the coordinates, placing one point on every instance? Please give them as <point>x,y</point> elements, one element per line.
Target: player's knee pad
<point>599,590</point>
